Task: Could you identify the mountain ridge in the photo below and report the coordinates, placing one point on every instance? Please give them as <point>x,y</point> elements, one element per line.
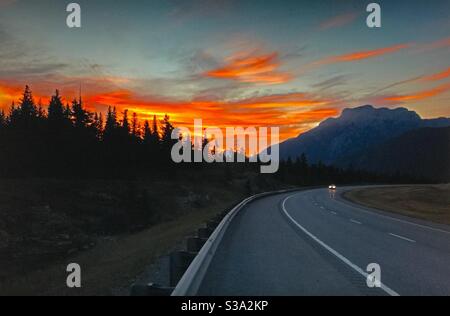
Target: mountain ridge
<point>355,130</point>
<point>408,154</point>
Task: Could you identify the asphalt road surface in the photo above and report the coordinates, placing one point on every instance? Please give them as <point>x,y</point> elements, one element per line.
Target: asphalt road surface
<point>315,243</point>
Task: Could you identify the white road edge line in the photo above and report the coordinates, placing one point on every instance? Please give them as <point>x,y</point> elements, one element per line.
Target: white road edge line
<point>356,222</point>
<point>334,252</point>
<point>351,204</point>
<point>401,237</point>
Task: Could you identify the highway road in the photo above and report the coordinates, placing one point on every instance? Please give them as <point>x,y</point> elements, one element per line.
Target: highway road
<point>316,243</point>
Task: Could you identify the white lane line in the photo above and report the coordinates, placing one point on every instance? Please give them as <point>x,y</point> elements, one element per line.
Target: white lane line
<point>346,203</point>
<point>356,222</point>
<point>322,207</point>
<point>332,251</point>
<point>401,237</point>
<point>333,212</point>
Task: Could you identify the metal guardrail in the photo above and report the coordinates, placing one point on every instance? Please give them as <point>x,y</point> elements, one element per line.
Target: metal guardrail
<point>194,275</point>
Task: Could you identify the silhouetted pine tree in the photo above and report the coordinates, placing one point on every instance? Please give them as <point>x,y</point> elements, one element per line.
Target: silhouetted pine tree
<point>57,116</point>
<point>12,112</point>
<point>80,117</point>
<point>3,119</point>
<point>125,123</point>
<point>24,141</point>
<point>147,134</point>
<point>111,126</point>
<point>27,107</point>
<point>135,127</point>
<point>166,138</point>
<point>155,132</point>
<point>151,155</point>
<point>97,124</point>
<point>26,113</point>
<point>67,112</point>
<point>41,114</point>
<point>166,130</point>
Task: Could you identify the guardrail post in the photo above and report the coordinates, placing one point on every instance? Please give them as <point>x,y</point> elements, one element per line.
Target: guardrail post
<point>179,262</point>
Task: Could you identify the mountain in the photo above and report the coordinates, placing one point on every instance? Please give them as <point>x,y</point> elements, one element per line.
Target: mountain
<point>423,153</point>
<point>356,130</point>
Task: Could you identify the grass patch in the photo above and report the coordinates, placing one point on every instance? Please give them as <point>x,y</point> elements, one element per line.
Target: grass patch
<point>427,202</point>
<point>115,261</point>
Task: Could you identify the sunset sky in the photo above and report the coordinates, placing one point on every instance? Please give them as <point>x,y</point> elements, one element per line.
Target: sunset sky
<point>230,62</point>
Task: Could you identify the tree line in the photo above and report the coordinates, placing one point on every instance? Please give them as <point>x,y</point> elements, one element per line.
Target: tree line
<point>303,173</point>
<point>67,140</point>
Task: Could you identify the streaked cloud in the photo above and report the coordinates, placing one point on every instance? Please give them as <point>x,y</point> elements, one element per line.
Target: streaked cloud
<point>423,78</point>
<point>361,55</point>
<point>251,67</point>
<point>338,21</point>
<point>398,83</point>
<point>287,101</point>
<point>332,82</point>
<point>438,76</point>
<point>419,95</point>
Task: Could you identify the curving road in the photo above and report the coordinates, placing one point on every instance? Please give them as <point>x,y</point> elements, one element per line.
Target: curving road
<point>315,243</point>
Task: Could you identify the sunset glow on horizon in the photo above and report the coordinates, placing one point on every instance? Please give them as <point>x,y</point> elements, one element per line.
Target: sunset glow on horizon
<point>230,63</point>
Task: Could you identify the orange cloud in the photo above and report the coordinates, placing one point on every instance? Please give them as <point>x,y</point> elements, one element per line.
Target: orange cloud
<point>9,93</point>
<point>419,95</point>
<point>286,101</point>
<point>360,55</point>
<point>338,21</point>
<point>438,76</point>
<point>292,112</point>
<point>244,67</point>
